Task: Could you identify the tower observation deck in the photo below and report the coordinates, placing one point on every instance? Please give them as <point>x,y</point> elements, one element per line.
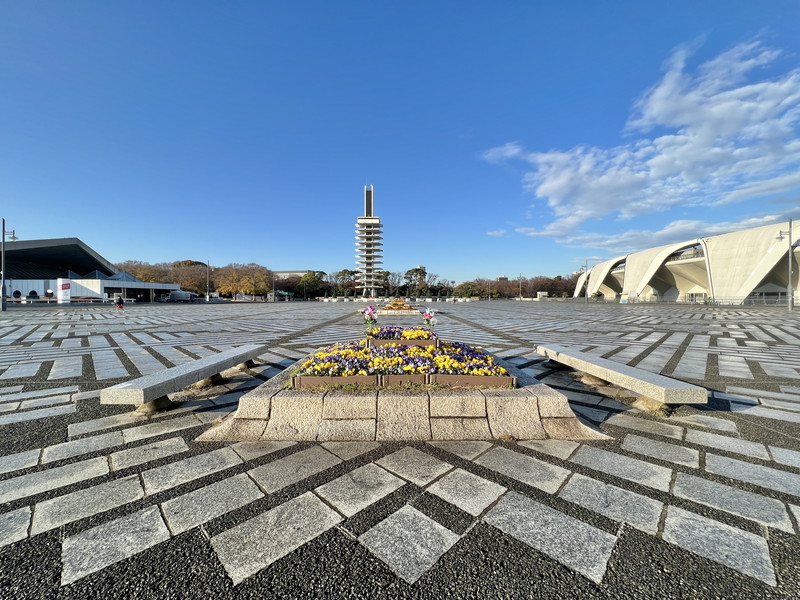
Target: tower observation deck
<point>368,247</point>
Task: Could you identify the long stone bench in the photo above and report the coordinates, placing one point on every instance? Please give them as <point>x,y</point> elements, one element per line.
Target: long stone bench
<point>150,391</point>
<point>652,385</point>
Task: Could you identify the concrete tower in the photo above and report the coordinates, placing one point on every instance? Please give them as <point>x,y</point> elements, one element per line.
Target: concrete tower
<point>368,247</point>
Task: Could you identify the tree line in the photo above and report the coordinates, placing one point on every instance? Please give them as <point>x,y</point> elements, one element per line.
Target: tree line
<point>257,281</point>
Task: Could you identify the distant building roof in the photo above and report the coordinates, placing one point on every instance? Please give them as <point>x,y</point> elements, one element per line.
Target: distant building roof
<point>51,259</point>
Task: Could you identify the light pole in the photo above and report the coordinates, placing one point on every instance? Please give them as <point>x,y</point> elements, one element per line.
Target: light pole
<point>520,287</point>
<point>208,268</point>
<point>789,289</point>
<point>3,265</point>
<point>586,283</point>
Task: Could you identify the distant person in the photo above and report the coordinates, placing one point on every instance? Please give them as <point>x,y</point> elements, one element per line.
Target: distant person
<point>120,304</point>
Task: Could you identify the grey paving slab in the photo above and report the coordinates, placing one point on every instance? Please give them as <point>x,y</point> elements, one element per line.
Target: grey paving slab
<point>613,502</point>
<point>707,421</point>
<point>625,467</point>
<point>97,548</point>
<point>93,425</point>
<point>571,542</point>
<point>662,450</point>
<point>61,510</point>
<point>107,365</point>
<point>785,456</point>
<point>141,432</point>
<point>179,472</point>
<point>20,371</point>
<point>45,401</point>
<point>415,466</point>
<point>31,484</point>
<point>729,444</point>
<point>646,426</point>
<point>773,479</point>
<point>409,542</point>
<point>768,511</point>
<point>68,367</point>
<point>20,460</point>
<point>81,446</point>
<point>255,544</point>
<point>200,506</point>
<point>139,455</point>
<point>41,413</point>
<point>358,489</point>
<point>740,550</point>
<point>253,450</point>
<point>285,471</point>
<point>524,468</point>
<point>14,525</point>
<point>467,449</point>
<point>562,449</point>
<point>467,491</point>
<point>767,413</point>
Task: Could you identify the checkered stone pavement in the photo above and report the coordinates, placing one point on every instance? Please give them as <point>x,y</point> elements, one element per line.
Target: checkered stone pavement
<point>100,501</point>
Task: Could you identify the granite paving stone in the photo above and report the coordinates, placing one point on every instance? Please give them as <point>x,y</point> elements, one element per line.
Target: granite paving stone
<point>255,544</point>
<point>768,511</point>
<point>14,525</point>
<point>20,460</point>
<point>625,467</point>
<point>662,450</point>
<point>348,450</point>
<point>767,477</point>
<point>785,456</point>
<point>613,502</point>
<point>141,432</point>
<point>290,469</point>
<point>409,542</point>
<point>562,449</point>
<point>147,453</point>
<point>174,474</point>
<point>202,505</point>
<point>41,413</point>
<point>740,550</point>
<point>467,491</point>
<point>253,450</point>
<point>646,426</point>
<point>358,489</point>
<point>37,482</point>
<point>707,421</point>
<point>93,425</point>
<point>81,446</point>
<point>45,401</point>
<point>524,468</point>
<point>415,466</point>
<point>58,511</point>
<point>94,549</point>
<point>466,449</point>
<point>571,542</point>
<point>729,444</point>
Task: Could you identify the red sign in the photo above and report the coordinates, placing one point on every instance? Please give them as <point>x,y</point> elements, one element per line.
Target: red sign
<point>63,286</point>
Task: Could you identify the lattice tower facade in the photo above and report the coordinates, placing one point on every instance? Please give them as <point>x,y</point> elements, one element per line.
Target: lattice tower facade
<point>368,247</point>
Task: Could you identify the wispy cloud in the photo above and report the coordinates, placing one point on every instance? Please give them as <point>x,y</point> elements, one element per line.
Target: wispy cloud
<point>497,232</point>
<point>714,136</point>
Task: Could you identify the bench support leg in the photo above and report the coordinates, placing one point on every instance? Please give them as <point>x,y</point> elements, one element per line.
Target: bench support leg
<point>246,365</point>
<point>162,403</point>
<point>216,379</point>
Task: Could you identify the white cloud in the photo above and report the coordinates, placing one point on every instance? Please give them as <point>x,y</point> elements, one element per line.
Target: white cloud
<point>673,232</point>
<point>711,137</point>
<point>497,233</point>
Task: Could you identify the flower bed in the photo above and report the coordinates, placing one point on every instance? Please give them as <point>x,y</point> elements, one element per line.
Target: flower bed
<point>349,359</point>
<point>391,334</point>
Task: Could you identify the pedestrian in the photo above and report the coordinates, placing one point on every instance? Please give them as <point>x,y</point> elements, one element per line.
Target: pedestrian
<point>120,304</point>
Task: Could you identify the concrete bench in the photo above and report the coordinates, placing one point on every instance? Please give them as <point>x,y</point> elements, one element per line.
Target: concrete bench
<point>655,386</point>
<point>150,391</point>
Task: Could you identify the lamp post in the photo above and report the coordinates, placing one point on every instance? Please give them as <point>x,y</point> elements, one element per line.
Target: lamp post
<point>520,287</point>
<point>789,289</point>
<point>208,268</point>
<point>586,283</point>
<point>3,265</point>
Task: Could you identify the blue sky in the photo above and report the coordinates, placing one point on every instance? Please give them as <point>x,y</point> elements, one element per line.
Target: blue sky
<point>509,137</point>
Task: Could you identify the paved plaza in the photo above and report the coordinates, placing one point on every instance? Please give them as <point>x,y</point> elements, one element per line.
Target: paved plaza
<point>98,501</point>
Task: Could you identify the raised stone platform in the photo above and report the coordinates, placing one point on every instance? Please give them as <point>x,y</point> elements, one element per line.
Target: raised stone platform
<point>532,411</point>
